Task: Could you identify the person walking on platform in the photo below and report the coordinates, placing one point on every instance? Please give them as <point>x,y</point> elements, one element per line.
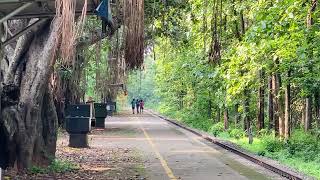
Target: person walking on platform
<point>141,106</point>
<point>133,105</point>
<point>138,106</point>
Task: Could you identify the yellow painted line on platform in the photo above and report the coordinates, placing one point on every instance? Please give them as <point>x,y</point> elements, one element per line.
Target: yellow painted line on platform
<point>162,160</point>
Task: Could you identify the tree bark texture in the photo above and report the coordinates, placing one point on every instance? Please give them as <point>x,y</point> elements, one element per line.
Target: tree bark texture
<point>30,125</point>
<point>281,103</point>
<point>3,141</point>
<point>218,114</point>
<point>303,113</point>
<point>308,116</point>
<point>275,90</point>
<point>237,114</point>
<point>260,124</point>
<point>317,107</point>
<point>270,103</point>
<point>246,110</point>
<point>287,114</point>
<point>310,22</point>
<point>226,119</point>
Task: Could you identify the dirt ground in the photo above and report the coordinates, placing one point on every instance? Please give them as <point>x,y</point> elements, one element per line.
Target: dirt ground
<point>96,163</point>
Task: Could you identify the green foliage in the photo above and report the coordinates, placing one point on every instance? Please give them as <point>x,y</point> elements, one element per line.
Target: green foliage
<point>216,129</point>
<point>57,166</point>
<point>273,144</point>
<point>141,84</point>
<point>187,87</point>
<point>263,132</point>
<point>301,151</point>
<point>304,145</point>
<point>237,133</point>
<point>37,170</point>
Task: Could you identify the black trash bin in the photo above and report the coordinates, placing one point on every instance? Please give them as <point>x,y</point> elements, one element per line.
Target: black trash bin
<point>78,110</point>
<point>100,110</point>
<point>78,125</point>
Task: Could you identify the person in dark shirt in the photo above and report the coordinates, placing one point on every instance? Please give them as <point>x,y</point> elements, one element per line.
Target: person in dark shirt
<point>138,106</point>
<point>133,105</point>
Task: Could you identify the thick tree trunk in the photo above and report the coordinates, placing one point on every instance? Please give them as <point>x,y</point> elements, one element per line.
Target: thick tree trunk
<point>303,113</point>
<point>243,26</point>
<point>317,107</point>
<point>270,102</point>
<point>281,107</point>
<point>237,114</point>
<point>45,145</point>
<point>308,116</point>
<point>226,119</point>
<point>310,22</point>
<point>235,22</point>
<point>2,135</point>
<point>275,90</point>
<point>3,141</point>
<point>218,114</point>
<point>260,124</point>
<point>246,122</point>
<point>287,113</point>
<point>30,126</point>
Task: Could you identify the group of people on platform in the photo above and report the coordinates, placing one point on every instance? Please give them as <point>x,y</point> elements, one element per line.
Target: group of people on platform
<point>137,104</point>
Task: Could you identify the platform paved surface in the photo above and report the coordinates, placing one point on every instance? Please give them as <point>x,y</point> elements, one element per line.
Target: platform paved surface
<point>169,152</point>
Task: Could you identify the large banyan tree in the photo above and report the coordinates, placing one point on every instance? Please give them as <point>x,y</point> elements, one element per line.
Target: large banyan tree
<point>28,123</point>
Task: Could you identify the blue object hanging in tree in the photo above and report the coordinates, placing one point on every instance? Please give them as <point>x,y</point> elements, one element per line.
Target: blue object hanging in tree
<point>104,11</point>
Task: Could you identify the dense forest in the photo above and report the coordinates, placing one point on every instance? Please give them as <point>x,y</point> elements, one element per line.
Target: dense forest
<point>246,71</point>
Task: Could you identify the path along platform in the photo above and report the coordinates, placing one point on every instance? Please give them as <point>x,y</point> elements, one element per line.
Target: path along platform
<point>169,152</point>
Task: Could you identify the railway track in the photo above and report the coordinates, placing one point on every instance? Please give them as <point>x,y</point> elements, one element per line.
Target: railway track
<point>245,155</point>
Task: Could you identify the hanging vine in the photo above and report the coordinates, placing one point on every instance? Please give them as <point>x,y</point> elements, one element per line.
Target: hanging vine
<point>134,33</point>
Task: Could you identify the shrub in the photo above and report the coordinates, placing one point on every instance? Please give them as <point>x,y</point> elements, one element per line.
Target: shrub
<point>217,128</point>
<point>37,170</point>
<point>263,132</point>
<point>261,153</point>
<point>237,133</point>
<point>273,144</point>
<point>303,145</point>
<point>224,135</point>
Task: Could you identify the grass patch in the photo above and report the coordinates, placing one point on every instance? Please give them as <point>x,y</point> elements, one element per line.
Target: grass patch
<point>57,166</point>
<point>280,152</point>
<point>301,152</point>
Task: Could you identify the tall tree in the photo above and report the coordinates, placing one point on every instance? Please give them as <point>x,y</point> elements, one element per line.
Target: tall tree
<point>261,99</point>
<point>308,116</point>
<point>270,103</point>
<point>30,122</point>
<point>287,116</point>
